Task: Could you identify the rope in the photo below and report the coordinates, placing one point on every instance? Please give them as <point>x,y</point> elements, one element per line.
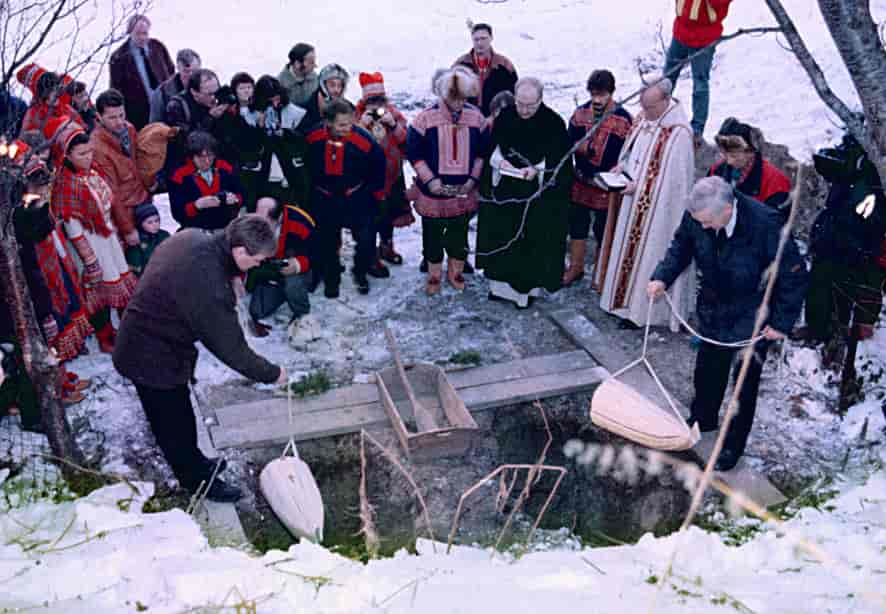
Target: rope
<point>645,361</point>
<point>291,445</point>
<point>725,344</point>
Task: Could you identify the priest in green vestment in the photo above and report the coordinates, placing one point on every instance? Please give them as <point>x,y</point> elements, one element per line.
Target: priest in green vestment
<point>523,220</point>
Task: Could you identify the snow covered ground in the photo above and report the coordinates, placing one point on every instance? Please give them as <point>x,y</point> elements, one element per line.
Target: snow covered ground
<point>95,556</point>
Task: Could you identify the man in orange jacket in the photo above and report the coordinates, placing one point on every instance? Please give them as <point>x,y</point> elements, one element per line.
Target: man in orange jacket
<point>698,24</point>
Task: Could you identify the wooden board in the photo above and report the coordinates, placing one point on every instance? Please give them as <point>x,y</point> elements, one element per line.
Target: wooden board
<point>361,394</point>
<point>266,430</point>
<point>585,334</point>
<point>741,478</point>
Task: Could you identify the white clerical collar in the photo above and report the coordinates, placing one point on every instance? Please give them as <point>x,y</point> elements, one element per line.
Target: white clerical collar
<point>730,225</point>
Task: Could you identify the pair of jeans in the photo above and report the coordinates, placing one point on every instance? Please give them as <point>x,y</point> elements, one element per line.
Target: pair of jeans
<point>701,74</point>
<point>712,366</point>
<point>171,415</point>
<point>291,289</point>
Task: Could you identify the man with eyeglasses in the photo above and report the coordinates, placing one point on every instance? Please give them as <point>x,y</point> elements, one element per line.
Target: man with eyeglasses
<point>520,242</point>
<point>657,162</point>
<point>198,108</point>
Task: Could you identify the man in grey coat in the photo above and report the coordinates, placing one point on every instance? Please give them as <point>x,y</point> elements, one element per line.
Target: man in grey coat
<point>299,77</point>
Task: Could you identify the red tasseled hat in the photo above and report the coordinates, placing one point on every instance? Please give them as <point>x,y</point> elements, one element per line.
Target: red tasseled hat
<point>29,74</point>
<point>373,84</point>
<point>60,131</point>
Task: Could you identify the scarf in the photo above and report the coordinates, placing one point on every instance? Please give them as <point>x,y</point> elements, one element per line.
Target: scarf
<point>81,195</point>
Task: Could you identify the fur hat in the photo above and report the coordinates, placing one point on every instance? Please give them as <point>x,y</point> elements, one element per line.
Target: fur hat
<point>736,136</point>
<point>60,131</point>
<point>459,81</point>
<point>373,84</point>
<point>333,71</point>
<point>144,211</point>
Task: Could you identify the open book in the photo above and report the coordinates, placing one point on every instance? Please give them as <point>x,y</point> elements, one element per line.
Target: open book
<point>611,182</point>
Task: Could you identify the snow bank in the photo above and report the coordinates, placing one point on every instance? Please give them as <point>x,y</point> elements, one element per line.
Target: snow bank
<point>101,554</point>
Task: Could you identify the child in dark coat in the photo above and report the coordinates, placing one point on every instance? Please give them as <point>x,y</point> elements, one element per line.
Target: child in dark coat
<point>150,235</point>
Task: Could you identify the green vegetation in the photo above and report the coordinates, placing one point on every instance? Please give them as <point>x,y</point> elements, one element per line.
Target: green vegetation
<point>466,357</point>
<point>314,383</point>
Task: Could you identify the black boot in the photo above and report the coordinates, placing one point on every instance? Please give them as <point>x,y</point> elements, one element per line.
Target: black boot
<point>423,266</point>
<point>468,270</point>
<point>379,270</point>
<point>361,282</point>
<point>330,290</point>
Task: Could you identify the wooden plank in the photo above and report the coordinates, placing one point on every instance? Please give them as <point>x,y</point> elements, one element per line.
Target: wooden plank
<point>742,478</point>
<point>265,430</point>
<point>585,334</point>
<point>361,394</point>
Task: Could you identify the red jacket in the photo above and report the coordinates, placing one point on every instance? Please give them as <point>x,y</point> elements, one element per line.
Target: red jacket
<point>700,22</point>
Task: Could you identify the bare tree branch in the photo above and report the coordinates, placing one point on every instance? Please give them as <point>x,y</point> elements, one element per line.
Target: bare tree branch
<point>20,59</point>
<point>810,65</point>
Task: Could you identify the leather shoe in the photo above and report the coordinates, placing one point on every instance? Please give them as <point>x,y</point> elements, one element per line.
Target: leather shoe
<point>379,270</point>
<point>423,266</point>
<point>257,329</point>
<point>222,492</point>
<point>727,460</point>
<point>330,290</point>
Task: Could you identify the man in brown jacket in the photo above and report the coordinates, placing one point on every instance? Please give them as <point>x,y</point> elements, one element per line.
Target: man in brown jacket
<point>114,155</point>
<point>138,67</point>
<point>184,296</point>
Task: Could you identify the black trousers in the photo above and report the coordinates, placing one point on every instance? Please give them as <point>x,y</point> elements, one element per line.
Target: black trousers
<point>580,223</point>
<point>329,231</point>
<point>444,233</point>
<point>172,420</point>
<point>712,366</point>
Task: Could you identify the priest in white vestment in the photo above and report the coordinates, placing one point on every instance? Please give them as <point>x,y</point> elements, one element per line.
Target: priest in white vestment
<point>659,159</point>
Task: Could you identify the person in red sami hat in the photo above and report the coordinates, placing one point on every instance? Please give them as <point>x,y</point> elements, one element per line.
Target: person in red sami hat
<point>387,125</point>
<point>50,97</point>
<point>82,200</point>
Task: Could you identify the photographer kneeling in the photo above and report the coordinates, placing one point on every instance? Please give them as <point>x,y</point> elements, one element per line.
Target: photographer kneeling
<point>283,278</point>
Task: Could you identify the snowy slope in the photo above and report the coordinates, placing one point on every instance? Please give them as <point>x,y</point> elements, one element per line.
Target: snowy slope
<point>560,41</point>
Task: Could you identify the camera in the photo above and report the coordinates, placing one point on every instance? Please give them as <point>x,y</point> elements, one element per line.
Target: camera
<point>225,95</point>
<point>276,263</point>
<point>378,113</point>
<point>222,197</point>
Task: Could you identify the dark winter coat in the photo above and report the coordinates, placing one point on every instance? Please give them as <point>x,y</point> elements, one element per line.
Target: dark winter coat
<point>186,186</point>
<point>499,76</point>
<point>185,296</point>
<point>347,177</point>
<point>762,182</point>
<point>12,111</point>
<point>162,95</point>
<point>732,279</point>
<point>126,78</point>
<point>138,255</point>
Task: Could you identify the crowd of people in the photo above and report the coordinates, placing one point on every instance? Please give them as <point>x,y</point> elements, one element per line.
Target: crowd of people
<point>264,175</point>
